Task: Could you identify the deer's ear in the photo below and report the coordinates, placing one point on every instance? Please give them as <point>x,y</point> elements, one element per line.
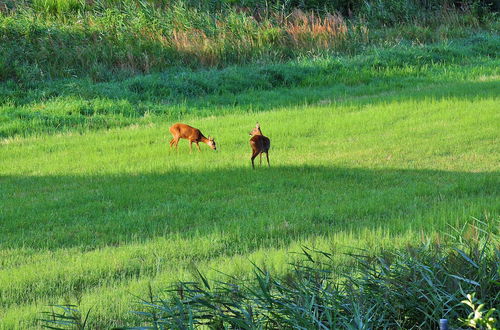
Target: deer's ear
<point>258,126</point>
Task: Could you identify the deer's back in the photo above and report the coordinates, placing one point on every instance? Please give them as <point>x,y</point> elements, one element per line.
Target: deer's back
<point>185,131</point>
<point>260,142</point>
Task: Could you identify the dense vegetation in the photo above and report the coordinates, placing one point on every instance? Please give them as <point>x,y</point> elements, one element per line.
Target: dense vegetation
<point>383,118</point>
<point>104,40</point>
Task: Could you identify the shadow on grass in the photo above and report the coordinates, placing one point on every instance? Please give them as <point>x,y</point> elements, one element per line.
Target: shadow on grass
<point>280,203</point>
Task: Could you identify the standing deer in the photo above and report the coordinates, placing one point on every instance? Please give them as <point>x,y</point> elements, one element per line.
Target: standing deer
<point>183,131</point>
<point>260,144</point>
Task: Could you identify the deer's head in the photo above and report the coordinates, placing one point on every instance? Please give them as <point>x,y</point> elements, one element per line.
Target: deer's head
<point>211,143</point>
<point>256,130</point>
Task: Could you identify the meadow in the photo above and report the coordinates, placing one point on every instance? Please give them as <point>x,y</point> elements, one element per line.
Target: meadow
<point>96,217</point>
<point>383,118</point>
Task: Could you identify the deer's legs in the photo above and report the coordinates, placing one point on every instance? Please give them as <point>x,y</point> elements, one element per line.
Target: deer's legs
<point>267,156</point>
<point>176,143</point>
<point>197,145</point>
<point>172,142</point>
<point>255,153</point>
<point>190,146</point>
<point>260,161</point>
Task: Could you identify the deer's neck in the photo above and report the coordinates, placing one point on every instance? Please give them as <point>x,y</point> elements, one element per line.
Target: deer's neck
<point>204,139</point>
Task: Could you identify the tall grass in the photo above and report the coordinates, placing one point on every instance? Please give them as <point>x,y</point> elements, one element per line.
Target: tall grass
<point>58,7</point>
<point>48,39</point>
<point>412,287</point>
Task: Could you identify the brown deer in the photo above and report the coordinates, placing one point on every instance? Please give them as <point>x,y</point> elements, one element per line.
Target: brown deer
<point>183,131</point>
<point>260,144</point>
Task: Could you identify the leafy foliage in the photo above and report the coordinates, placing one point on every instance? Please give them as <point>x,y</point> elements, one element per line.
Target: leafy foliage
<point>478,319</point>
<point>65,317</point>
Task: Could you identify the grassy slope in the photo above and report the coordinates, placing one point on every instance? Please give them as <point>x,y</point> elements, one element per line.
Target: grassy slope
<point>95,218</point>
<point>79,104</point>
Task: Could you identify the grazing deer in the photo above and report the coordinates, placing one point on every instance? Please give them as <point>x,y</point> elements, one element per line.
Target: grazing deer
<point>183,131</point>
<point>260,144</point>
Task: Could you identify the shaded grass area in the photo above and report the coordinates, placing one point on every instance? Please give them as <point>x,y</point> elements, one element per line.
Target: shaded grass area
<point>96,218</point>
<point>95,211</point>
<point>81,105</point>
<point>83,213</point>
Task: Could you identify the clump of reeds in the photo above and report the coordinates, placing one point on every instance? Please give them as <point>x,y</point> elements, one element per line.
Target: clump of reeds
<point>412,287</point>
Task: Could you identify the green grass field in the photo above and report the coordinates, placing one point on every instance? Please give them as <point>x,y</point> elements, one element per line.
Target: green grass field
<point>95,217</point>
